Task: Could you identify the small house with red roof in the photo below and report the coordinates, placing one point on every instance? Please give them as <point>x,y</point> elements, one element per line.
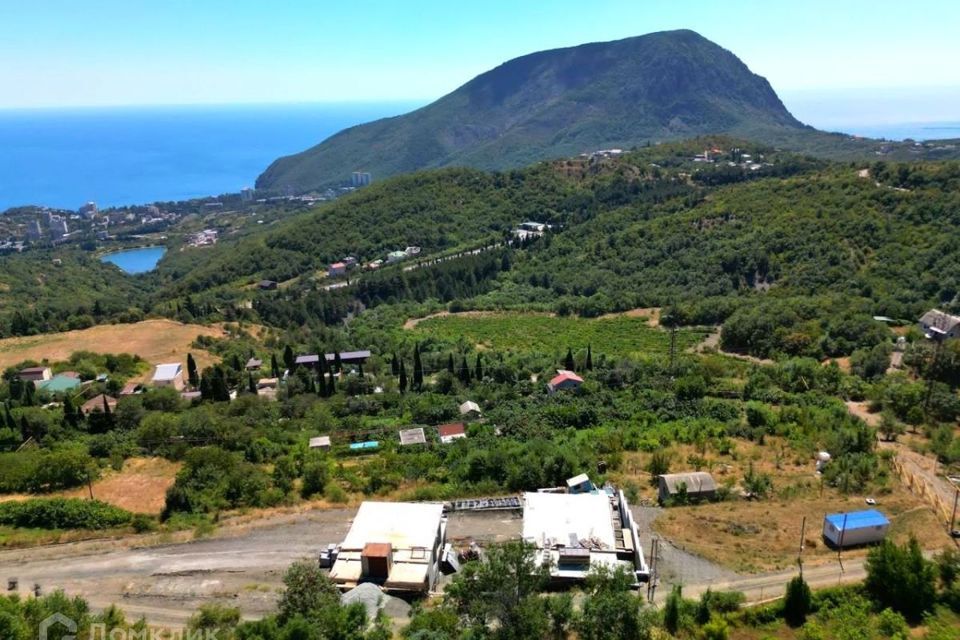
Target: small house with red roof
<point>563,381</point>
<point>450,432</point>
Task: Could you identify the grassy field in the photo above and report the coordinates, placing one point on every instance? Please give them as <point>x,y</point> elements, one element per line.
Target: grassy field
<point>618,335</point>
<point>752,536</point>
<point>156,341</point>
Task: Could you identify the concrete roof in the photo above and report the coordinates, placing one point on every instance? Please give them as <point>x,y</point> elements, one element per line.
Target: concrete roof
<point>167,371</point>
<point>551,519</point>
<point>403,524</point>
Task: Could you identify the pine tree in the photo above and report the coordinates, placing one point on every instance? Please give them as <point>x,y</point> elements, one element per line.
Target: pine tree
<point>417,368</point>
<point>192,376</point>
<point>478,371</point>
<point>289,360</point>
<point>274,366</point>
<point>394,365</point>
<point>568,362</point>
<point>403,378</point>
<point>450,363</point>
<point>589,363</point>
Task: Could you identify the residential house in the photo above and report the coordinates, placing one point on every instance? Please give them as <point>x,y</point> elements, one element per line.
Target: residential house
<point>254,364</point>
<point>267,285</point>
<point>938,325</point>
<point>311,360</point>
<point>336,269</point>
<point>564,381</point>
<point>169,375</point>
<point>36,374</point>
<point>450,432</point>
<point>470,409</point>
<point>97,403</point>
<point>396,545</point>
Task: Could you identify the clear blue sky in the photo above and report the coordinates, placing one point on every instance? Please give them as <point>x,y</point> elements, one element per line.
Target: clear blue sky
<point>110,52</point>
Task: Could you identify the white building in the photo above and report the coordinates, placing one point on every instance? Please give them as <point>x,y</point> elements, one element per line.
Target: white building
<point>396,545</point>
<point>579,532</point>
<point>169,375</point>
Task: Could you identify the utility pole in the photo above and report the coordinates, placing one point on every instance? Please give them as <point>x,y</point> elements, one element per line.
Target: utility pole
<point>652,584</point>
<point>803,529</point>
<point>953,516</point>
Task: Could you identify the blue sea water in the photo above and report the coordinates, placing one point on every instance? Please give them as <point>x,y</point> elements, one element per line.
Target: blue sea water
<point>137,155</point>
<point>135,261</point>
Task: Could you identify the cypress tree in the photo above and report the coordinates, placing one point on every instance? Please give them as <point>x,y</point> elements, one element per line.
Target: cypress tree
<point>417,368</point>
<point>69,415</point>
<point>589,363</point>
<point>478,372</point>
<point>28,390</point>
<point>274,367</point>
<point>464,373</point>
<point>106,406</point>
<point>192,376</point>
<point>403,378</point>
<point>568,361</point>
<point>332,389</point>
<point>220,391</point>
<point>288,358</point>
<point>360,371</point>
<point>394,365</point>
<point>8,417</point>
<point>251,385</point>
<point>450,363</point>
<point>206,388</point>
<point>25,432</point>
<point>235,363</point>
<point>336,361</point>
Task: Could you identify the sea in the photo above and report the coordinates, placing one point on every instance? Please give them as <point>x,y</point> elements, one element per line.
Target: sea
<point>138,155</point>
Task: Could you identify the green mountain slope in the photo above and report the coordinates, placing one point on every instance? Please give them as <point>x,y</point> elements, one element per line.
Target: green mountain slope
<point>558,103</point>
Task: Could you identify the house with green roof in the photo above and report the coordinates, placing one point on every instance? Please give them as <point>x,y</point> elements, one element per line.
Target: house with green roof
<point>59,384</point>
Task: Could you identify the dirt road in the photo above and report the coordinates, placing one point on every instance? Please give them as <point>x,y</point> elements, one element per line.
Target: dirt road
<point>242,568</point>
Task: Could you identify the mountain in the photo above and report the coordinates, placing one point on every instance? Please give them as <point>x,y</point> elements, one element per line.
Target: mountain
<point>660,86</point>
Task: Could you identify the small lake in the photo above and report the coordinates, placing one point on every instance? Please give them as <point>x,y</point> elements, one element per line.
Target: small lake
<point>135,261</point>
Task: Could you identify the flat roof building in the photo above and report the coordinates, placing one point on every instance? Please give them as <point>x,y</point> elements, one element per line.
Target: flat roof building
<point>577,532</point>
<point>396,545</point>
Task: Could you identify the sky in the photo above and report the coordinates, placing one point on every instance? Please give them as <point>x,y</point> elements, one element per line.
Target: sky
<point>62,53</point>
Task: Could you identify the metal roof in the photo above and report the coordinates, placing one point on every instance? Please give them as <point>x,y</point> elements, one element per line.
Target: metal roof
<point>319,441</point>
<point>694,481</point>
<point>307,359</point>
<point>857,519</point>
<point>551,519</point>
<point>413,436</point>
<point>59,384</point>
<point>469,406</point>
<point>167,371</point>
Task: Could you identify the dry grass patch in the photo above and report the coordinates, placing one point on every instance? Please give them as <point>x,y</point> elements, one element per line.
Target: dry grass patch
<point>141,486</point>
<point>156,341</point>
<point>753,536</point>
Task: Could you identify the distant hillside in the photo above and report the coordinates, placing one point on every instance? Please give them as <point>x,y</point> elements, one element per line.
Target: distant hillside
<point>660,86</point>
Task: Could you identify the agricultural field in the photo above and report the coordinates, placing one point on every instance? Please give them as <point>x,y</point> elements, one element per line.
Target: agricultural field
<point>156,341</point>
<point>614,335</point>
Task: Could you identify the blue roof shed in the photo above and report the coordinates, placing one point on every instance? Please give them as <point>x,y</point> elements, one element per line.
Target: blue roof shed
<point>858,519</point>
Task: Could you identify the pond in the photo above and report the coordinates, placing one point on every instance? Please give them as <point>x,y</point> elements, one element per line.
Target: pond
<point>135,261</point>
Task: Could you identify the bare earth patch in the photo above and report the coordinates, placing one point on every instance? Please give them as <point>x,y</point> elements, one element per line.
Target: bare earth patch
<point>156,341</point>
<point>413,322</point>
<point>141,486</point>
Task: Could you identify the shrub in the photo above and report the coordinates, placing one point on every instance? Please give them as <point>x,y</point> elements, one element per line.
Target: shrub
<point>63,513</point>
<point>797,602</point>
